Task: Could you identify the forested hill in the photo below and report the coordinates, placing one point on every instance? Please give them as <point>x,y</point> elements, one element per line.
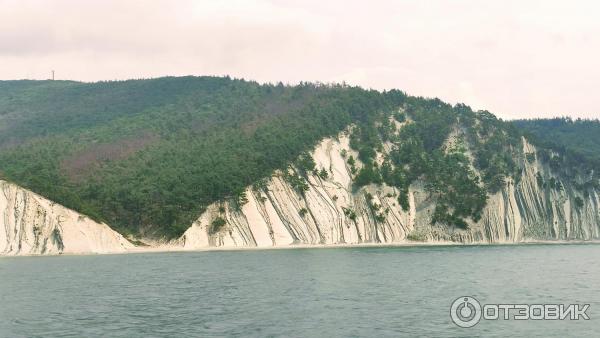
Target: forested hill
<point>574,137</point>
<point>149,155</point>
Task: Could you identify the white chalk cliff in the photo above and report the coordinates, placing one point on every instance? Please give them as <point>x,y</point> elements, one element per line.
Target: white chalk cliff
<point>332,211</point>
<point>33,225</point>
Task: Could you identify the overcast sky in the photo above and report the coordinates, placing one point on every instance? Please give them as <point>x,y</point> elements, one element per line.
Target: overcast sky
<point>514,58</point>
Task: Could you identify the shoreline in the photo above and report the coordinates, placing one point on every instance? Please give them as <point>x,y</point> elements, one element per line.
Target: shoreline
<point>407,244</point>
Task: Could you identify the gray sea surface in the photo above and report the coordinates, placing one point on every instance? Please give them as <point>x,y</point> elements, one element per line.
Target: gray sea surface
<point>325,292</point>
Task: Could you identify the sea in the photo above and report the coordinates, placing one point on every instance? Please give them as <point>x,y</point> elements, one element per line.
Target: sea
<point>401,291</point>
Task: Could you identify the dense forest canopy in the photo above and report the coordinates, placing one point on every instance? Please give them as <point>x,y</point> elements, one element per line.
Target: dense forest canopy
<point>148,156</point>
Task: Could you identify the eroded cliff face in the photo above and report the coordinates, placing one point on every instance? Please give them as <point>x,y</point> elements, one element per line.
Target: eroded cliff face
<point>33,225</point>
<point>529,210</point>
<point>333,211</point>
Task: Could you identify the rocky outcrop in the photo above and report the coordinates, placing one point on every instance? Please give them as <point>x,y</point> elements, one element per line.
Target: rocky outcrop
<point>333,211</point>
<point>532,210</point>
<point>33,225</point>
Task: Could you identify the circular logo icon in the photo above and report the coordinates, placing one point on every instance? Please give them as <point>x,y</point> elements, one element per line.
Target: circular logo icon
<point>465,311</point>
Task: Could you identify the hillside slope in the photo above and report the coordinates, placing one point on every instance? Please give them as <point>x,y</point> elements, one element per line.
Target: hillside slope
<point>332,209</point>
<point>576,138</point>
<point>147,156</point>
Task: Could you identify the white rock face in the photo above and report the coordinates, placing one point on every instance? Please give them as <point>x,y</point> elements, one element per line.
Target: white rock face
<point>332,211</point>
<point>280,216</point>
<point>526,211</point>
<point>33,225</point>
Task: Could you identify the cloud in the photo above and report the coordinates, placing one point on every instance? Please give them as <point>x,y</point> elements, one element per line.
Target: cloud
<point>514,58</point>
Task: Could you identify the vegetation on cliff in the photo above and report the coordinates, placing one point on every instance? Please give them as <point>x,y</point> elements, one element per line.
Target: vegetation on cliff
<point>458,176</point>
<point>571,148</point>
<point>577,139</point>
